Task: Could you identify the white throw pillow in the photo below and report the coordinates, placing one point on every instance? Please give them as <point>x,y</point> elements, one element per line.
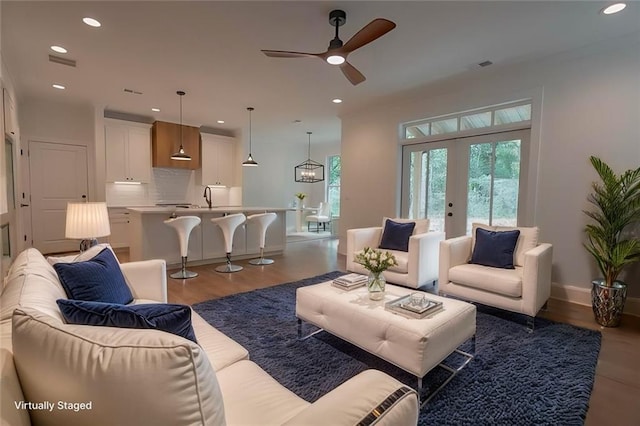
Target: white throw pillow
<point>81,257</point>
<point>129,376</point>
<point>422,225</point>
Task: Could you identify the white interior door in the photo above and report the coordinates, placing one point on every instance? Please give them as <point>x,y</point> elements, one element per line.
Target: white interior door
<point>58,176</point>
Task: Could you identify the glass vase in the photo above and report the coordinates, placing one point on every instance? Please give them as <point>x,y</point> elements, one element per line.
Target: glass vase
<point>375,285</point>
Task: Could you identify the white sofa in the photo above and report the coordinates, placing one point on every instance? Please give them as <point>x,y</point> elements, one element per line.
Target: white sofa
<point>150,377</point>
<point>416,268</point>
<point>524,289</point>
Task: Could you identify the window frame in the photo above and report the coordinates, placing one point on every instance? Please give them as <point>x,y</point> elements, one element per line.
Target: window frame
<point>334,207</point>
<point>492,128</point>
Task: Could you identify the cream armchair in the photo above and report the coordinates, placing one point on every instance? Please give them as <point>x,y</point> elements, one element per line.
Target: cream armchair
<point>416,267</point>
<point>524,289</point>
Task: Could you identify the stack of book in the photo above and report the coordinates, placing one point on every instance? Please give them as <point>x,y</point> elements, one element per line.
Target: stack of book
<point>350,281</point>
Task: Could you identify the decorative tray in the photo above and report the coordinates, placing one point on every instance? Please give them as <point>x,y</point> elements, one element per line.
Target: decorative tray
<point>403,306</point>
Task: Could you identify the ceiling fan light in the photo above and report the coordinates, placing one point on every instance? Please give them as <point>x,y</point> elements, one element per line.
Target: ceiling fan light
<point>335,59</point>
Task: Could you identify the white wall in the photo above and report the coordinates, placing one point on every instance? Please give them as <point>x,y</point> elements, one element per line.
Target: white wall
<point>272,182</point>
<point>57,121</point>
<point>590,105</point>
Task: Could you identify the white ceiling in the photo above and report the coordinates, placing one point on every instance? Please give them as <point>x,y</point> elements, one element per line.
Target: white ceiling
<point>211,50</point>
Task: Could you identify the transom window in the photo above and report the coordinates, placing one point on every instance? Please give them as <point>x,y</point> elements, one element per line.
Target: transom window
<point>485,118</point>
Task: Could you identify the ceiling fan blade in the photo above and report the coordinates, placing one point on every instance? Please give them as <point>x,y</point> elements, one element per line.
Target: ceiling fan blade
<point>352,74</point>
<point>373,30</point>
<point>285,54</point>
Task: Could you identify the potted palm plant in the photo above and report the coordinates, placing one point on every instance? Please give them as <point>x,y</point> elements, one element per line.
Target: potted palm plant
<point>616,199</point>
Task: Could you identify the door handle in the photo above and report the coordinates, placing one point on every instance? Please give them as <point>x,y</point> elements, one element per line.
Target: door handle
<point>24,205</point>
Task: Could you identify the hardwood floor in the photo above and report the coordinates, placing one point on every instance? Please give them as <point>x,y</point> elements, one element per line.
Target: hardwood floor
<point>616,392</point>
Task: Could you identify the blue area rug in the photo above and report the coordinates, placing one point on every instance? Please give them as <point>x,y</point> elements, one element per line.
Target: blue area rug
<point>516,378</point>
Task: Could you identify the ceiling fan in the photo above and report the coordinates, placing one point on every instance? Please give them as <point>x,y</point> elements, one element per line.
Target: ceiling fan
<point>337,52</point>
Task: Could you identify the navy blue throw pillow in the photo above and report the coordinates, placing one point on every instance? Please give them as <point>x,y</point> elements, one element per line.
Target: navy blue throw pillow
<point>396,235</point>
<point>98,279</point>
<point>494,248</point>
<point>172,318</point>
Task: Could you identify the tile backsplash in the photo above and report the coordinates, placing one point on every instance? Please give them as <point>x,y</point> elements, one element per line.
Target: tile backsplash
<point>168,186</point>
<point>171,185</point>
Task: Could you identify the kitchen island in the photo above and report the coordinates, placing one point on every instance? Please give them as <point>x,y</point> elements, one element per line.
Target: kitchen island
<point>151,238</point>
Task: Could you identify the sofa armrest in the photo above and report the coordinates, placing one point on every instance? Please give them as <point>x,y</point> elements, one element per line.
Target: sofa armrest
<point>11,392</point>
<point>453,252</point>
<point>424,251</point>
<point>371,396</point>
<point>358,239</point>
<point>536,278</point>
<point>147,279</point>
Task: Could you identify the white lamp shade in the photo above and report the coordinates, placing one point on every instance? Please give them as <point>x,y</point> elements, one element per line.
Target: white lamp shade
<point>87,220</point>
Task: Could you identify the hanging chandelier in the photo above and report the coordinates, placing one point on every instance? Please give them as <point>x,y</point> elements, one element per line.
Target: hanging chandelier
<point>249,162</point>
<point>309,171</point>
<point>181,155</point>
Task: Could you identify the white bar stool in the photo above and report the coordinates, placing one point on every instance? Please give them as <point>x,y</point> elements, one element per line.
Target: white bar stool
<point>263,220</point>
<point>183,226</point>
<point>228,224</point>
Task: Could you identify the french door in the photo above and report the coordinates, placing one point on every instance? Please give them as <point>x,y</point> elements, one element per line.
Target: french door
<point>456,182</point>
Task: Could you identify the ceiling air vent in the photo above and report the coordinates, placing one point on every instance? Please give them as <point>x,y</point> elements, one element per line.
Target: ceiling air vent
<point>131,91</point>
<point>62,61</point>
<point>485,64</point>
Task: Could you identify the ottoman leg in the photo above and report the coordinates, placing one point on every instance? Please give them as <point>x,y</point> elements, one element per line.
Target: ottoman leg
<point>454,371</point>
<point>306,336</point>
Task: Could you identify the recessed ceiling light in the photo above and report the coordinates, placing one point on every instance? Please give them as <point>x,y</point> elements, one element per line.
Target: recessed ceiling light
<point>220,121</point>
<point>58,86</point>
<point>92,22</point>
<point>59,49</point>
<point>155,109</point>
<point>337,101</point>
<point>614,8</point>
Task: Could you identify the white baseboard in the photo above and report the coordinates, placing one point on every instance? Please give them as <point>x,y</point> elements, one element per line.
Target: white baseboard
<point>582,296</point>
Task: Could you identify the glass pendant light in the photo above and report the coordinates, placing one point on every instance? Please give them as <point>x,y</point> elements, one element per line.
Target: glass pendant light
<point>181,155</point>
<point>249,162</point>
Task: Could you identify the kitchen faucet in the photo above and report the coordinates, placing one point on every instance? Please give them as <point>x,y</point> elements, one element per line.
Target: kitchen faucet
<point>207,196</point>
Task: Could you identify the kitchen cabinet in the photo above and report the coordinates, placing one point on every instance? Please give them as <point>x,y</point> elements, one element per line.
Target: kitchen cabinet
<point>217,160</point>
<point>127,151</point>
<point>166,141</point>
<point>119,224</point>
<point>10,115</point>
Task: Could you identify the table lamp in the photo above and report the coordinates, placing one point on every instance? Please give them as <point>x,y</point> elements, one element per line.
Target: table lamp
<point>87,221</point>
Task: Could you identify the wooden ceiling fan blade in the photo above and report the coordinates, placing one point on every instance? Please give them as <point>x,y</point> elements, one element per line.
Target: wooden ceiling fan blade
<point>373,30</point>
<point>286,54</point>
<point>352,74</point>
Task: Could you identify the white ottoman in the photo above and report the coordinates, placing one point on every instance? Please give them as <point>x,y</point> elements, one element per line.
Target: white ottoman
<point>415,345</point>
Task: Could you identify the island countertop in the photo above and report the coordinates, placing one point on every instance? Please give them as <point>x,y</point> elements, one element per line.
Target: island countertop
<point>215,209</point>
<point>151,238</point>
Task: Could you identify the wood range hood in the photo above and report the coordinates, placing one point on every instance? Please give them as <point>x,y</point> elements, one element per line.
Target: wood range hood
<point>165,141</point>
